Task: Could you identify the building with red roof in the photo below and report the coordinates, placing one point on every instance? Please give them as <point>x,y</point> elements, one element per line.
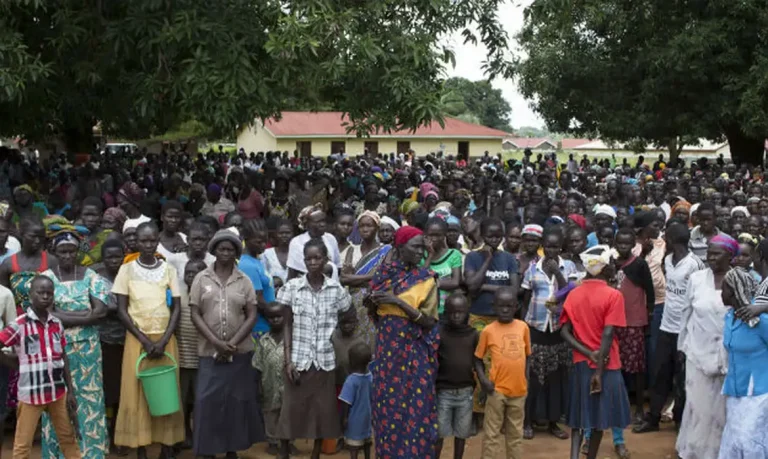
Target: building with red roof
<point>323,133</point>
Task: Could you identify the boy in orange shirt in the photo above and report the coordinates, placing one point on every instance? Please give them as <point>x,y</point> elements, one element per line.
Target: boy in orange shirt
<point>508,341</point>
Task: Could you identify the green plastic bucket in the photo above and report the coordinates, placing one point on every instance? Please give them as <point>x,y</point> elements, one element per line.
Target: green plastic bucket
<point>160,387</point>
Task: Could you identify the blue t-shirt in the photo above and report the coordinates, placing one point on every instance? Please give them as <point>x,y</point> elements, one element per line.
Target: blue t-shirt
<point>356,393</point>
<point>254,269</point>
<point>503,265</point>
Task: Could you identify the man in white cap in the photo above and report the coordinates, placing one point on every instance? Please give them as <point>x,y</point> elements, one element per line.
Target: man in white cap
<point>604,217</point>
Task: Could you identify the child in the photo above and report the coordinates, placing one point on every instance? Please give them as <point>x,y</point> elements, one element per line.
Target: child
<point>269,359</point>
<point>356,395</point>
<point>187,336</point>
<point>508,341</point>
<point>44,379</point>
<point>455,375</point>
<point>343,339</point>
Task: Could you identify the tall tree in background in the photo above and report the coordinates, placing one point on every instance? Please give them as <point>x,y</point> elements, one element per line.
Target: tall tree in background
<point>661,72</point>
<point>481,102</point>
<point>140,67</point>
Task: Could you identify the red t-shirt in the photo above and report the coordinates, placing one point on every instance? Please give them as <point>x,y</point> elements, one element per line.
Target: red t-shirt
<point>252,206</point>
<point>591,307</point>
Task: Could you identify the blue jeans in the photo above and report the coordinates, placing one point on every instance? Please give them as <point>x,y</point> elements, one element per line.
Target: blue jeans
<point>650,343</point>
<point>618,435</point>
<point>454,412</point>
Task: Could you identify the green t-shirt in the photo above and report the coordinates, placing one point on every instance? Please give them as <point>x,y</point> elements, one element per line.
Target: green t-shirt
<point>444,268</point>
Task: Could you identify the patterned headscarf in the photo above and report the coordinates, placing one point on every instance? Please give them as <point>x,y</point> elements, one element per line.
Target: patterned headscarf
<point>408,206</point>
<point>597,258</point>
<point>308,212</point>
<point>372,215</point>
<point>743,285</point>
<point>727,242</point>
<point>26,188</point>
<point>132,192</point>
<point>116,215</point>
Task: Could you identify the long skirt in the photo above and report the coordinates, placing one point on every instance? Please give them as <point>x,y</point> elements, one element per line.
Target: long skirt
<point>309,408</point>
<point>548,383</point>
<point>631,349</point>
<point>745,435</point>
<point>365,330</point>
<point>403,402</point>
<point>703,415</point>
<point>479,322</point>
<point>85,366</point>
<point>135,427</point>
<point>227,410</point>
<point>606,410</point>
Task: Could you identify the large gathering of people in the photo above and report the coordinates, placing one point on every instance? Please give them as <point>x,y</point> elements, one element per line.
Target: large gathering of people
<point>381,303</point>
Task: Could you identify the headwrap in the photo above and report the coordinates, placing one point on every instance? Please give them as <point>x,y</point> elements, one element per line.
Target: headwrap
<point>386,220</point>
<point>580,221</point>
<point>405,234</point>
<point>214,188</point>
<point>741,209</point>
<point>753,199</point>
<point>308,212</point>
<point>727,242</point>
<point>694,208</point>
<point>66,237</point>
<point>408,206</point>
<point>26,188</point>
<point>372,215</point>
<point>117,215</point>
<point>465,193</point>
<point>597,258</point>
<point>681,204</point>
<point>132,192</point>
<point>533,230</point>
<point>453,220</point>
<point>746,238</point>
<point>743,285</point>
<point>225,235</point>
<point>431,193</point>
<point>56,225</point>
<point>554,220</point>
<point>605,209</point>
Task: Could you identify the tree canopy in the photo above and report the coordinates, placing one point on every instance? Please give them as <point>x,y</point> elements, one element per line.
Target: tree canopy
<point>477,101</point>
<point>140,67</point>
<point>661,72</point>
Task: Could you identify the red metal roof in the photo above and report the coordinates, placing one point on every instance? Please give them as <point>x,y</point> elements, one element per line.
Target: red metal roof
<point>573,143</point>
<point>309,124</point>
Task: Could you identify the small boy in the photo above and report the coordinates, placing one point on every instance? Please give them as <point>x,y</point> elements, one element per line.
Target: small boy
<point>187,336</point>
<point>269,358</point>
<point>343,338</point>
<point>356,395</point>
<point>455,375</point>
<point>45,384</point>
<point>508,341</point>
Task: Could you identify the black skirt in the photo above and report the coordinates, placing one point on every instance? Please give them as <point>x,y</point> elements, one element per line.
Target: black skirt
<point>227,411</point>
<point>548,390</point>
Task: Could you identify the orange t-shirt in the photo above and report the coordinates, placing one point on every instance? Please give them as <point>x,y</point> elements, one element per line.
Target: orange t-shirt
<point>509,345</point>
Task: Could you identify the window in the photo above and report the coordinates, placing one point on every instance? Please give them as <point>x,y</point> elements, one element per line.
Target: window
<point>338,147</point>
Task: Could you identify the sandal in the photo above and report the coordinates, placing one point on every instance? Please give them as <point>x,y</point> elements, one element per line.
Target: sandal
<point>527,432</point>
<point>621,451</point>
<point>557,432</point>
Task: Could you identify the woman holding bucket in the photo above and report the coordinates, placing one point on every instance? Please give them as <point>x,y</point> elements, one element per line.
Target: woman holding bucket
<point>141,287</point>
<point>223,308</point>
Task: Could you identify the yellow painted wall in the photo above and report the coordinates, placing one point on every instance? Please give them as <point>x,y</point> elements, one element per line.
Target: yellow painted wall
<point>256,138</point>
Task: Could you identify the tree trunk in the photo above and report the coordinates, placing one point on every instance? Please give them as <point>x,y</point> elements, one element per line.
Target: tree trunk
<point>744,149</point>
<point>78,140</point>
<point>674,151</point>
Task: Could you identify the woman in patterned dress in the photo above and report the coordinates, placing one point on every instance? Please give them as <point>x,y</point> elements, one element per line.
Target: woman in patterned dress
<point>90,247</point>
<point>403,401</point>
<point>359,262</point>
<point>80,297</point>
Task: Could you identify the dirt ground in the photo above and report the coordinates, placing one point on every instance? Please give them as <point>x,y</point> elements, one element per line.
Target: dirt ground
<point>659,445</point>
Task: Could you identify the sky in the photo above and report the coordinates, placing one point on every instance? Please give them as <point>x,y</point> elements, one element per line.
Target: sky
<point>469,59</point>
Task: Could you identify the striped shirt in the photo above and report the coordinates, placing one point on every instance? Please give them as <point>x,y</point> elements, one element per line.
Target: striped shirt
<point>40,347</point>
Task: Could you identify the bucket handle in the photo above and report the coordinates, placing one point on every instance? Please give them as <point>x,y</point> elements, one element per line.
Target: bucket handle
<point>144,355</point>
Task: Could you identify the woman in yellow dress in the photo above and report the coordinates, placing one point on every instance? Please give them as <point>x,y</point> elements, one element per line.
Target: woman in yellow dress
<point>140,287</point>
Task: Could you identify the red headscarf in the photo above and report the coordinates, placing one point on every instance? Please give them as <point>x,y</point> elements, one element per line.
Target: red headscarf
<point>579,220</point>
<point>405,234</point>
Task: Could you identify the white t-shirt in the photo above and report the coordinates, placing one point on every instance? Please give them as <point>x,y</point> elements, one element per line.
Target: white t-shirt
<point>296,251</point>
<point>135,222</point>
<point>273,266</point>
<point>677,286</point>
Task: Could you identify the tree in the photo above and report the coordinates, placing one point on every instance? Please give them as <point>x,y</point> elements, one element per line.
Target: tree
<point>663,72</point>
<point>481,100</point>
<point>140,67</point>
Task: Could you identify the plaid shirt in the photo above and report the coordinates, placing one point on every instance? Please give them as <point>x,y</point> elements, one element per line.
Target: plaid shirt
<point>543,290</point>
<point>40,347</point>
<point>315,315</point>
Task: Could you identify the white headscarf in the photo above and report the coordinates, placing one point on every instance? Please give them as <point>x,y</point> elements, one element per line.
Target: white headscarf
<point>606,210</point>
<point>597,258</point>
<point>389,221</point>
<point>741,209</point>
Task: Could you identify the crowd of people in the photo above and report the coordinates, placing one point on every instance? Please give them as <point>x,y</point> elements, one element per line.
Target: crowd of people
<point>382,303</point>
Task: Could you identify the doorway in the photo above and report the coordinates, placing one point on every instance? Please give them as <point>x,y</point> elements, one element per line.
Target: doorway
<point>304,148</point>
<point>338,147</point>
<point>464,150</point>
<point>372,148</point>
<point>403,147</point>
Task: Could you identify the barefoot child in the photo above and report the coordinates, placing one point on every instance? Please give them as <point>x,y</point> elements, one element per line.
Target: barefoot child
<point>508,341</point>
<point>590,314</point>
<point>269,359</point>
<point>455,375</point>
<point>356,398</point>
<point>37,337</point>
